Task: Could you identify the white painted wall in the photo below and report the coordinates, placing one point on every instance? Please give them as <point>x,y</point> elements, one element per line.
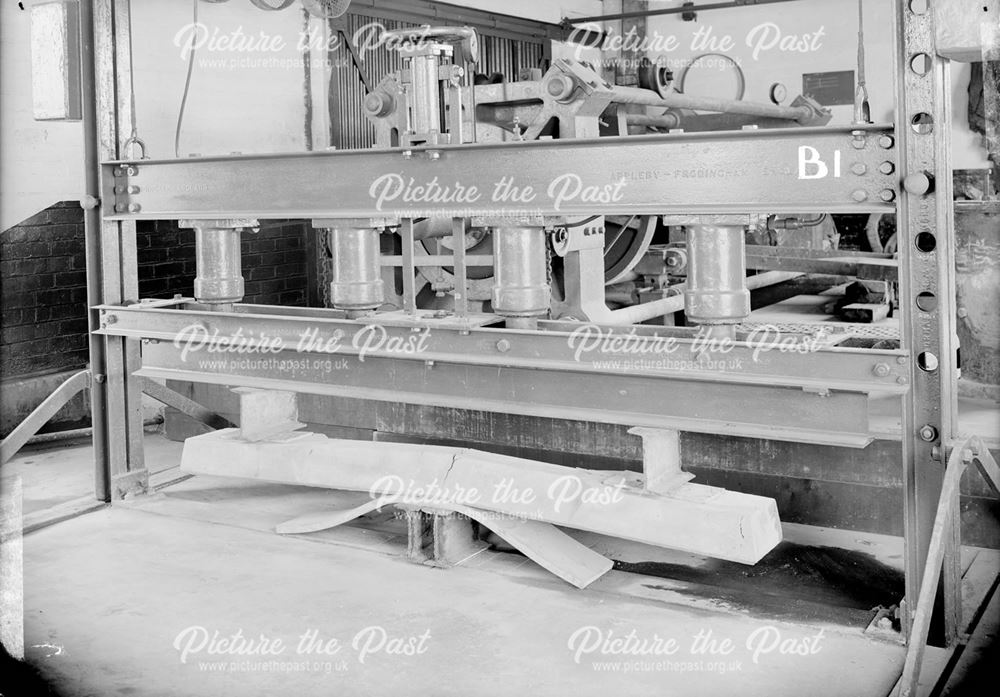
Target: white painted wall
<point>240,100</point>
<point>41,162</point>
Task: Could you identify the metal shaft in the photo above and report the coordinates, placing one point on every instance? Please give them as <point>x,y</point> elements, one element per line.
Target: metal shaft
<point>636,95</point>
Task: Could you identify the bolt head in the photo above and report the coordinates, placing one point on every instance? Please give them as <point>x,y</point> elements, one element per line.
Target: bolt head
<point>886,142</point>
<point>927,433</point>
<point>503,346</point>
<point>887,167</point>
<point>859,168</point>
<point>887,195</point>
<point>881,370</point>
<point>860,195</point>
<point>917,184</point>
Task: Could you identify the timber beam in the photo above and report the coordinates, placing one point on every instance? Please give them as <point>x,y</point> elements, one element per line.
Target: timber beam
<point>699,519</point>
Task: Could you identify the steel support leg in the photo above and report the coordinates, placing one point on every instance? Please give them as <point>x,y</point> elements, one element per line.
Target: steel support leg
<point>111,254</point>
<point>927,297</point>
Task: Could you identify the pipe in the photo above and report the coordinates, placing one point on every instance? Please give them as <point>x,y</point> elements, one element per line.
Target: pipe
<point>662,121</point>
<point>637,95</point>
<point>150,425</point>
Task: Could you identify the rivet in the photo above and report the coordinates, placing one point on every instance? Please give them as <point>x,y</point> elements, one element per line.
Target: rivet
<point>887,167</point>
<point>860,195</point>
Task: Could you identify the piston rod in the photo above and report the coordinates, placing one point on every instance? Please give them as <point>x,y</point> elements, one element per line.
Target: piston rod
<point>356,270</point>
<point>521,290</point>
<point>218,259</point>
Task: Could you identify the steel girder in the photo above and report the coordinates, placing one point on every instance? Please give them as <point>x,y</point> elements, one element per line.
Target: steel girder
<point>845,169</point>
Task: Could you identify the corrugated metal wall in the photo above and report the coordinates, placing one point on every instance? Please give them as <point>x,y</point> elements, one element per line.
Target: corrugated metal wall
<point>349,129</point>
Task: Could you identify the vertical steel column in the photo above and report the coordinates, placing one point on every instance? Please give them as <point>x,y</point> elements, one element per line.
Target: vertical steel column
<point>92,243</point>
<point>925,237</point>
<point>461,292</point>
<point>409,268</point>
<point>118,411</point>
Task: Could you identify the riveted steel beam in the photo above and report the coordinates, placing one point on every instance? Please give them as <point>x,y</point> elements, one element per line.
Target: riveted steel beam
<point>771,171</point>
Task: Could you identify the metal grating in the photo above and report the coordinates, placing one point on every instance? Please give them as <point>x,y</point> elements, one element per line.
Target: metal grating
<point>834,329</point>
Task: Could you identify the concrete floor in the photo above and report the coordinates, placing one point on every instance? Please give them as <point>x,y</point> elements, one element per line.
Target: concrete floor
<point>112,597</point>
<point>59,472</point>
<point>107,595</point>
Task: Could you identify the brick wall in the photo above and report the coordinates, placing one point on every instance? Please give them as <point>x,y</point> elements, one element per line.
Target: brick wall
<point>43,325</point>
<point>43,321</point>
<point>274,261</point>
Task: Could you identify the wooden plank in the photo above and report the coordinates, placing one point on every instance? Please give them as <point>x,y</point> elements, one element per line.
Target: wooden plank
<point>732,526</point>
<point>547,546</point>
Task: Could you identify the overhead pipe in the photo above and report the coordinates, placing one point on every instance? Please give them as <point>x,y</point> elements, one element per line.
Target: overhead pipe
<point>675,100</point>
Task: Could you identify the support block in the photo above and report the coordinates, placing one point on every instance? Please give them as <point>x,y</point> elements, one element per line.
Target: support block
<point>265,414</point>
<point>661,459</point>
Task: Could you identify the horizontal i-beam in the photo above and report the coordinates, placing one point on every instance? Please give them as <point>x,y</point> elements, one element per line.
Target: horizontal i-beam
<point>798,170</point>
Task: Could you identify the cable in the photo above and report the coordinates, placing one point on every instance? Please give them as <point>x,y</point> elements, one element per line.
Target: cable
<point>187,87</point>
